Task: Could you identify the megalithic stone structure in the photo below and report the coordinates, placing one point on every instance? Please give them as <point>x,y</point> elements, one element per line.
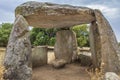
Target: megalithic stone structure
<point>103,42</point>
<point>109,48</point>
<point>18,55</point>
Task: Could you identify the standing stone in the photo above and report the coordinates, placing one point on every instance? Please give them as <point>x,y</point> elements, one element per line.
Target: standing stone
<point>109,46</point>
<point>39,56</point>
<point>95,45</point>
<point>65,45</point>
<point>75,50</point>
<point>18,54</point>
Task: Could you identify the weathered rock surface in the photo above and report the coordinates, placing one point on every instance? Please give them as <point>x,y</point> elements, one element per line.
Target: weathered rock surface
<point>109,48</point>
<point>48,15</point>
<point>65,45</point>
<point>85,60</point>
<point>18,54</point>
<point>111,76</point>
<point>75,49</point>
<point>59,63</point>
<point>95,45</point>
<point>39,56</point>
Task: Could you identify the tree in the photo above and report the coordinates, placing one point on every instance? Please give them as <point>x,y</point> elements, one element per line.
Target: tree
<point>41,39</point>
<point>33,35</point>
<point>82,35</point>
<point>5,29</point>
<point>42,36</point>
<point>52,41</point>
<point>119,43</point>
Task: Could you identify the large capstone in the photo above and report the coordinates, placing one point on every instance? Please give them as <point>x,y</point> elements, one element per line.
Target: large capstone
<point>65,46</point>
<point>109,49</point>
<point>18,54</point>
<point>48,15</point>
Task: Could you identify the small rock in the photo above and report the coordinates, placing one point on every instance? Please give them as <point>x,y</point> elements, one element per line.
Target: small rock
<point>59,63</point>
<point>85,60</point>
<point>111,76</point>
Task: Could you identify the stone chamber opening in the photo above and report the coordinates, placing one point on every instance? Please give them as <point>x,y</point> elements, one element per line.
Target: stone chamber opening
<point>44,55</point>
<point>43,42</point>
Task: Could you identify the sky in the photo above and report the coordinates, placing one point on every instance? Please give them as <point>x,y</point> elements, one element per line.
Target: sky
<point>109,8</point>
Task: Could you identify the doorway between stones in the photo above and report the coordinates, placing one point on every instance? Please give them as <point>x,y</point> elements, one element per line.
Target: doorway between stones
<point>44,54</point>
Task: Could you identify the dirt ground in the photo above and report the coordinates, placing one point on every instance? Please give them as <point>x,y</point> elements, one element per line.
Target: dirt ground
<point>47,72</point>
<point>70,72</point>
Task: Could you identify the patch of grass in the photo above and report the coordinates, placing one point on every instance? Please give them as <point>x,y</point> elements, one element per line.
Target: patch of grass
<point>2,69</point>
<point>2,53</point>
<point>97,74</point>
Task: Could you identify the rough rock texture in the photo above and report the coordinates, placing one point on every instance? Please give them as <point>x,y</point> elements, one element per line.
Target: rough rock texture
<point>18,54</point>
<point>75,49</point>
<point>48,15</point>
<point>39,56</point>
<point>109,48</point>
<point>85,60</point>
<point>65,45</point>
<point>95,45</point>
<point>59,63</point>
<point>111,76</point>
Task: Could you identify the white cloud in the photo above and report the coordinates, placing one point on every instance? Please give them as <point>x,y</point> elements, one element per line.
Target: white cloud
<point>6,16</point>
<point>107,11</point>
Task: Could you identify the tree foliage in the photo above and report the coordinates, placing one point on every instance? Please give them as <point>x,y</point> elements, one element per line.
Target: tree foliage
<point>41,36</point>
<point>5,29</point>
<point>82,35</point>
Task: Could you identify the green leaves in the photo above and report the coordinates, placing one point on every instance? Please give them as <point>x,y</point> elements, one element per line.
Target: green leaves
<point>52,41</point>
<point>5,30</point>
<point>42,36</point>
<point>82,35</point>
<point>41,39</point>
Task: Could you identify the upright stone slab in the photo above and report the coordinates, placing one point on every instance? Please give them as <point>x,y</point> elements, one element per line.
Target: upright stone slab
<point>39,56</point>
<point>109,46</point>
<point>65,45</point>
<point>95,45</point>
<point>18,54</point>
<point>75,50</point>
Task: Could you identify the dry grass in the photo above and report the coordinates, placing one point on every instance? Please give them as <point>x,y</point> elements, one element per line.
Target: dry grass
<point>1,72</point>
<point>97,74</point>
<point>2,52</point>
